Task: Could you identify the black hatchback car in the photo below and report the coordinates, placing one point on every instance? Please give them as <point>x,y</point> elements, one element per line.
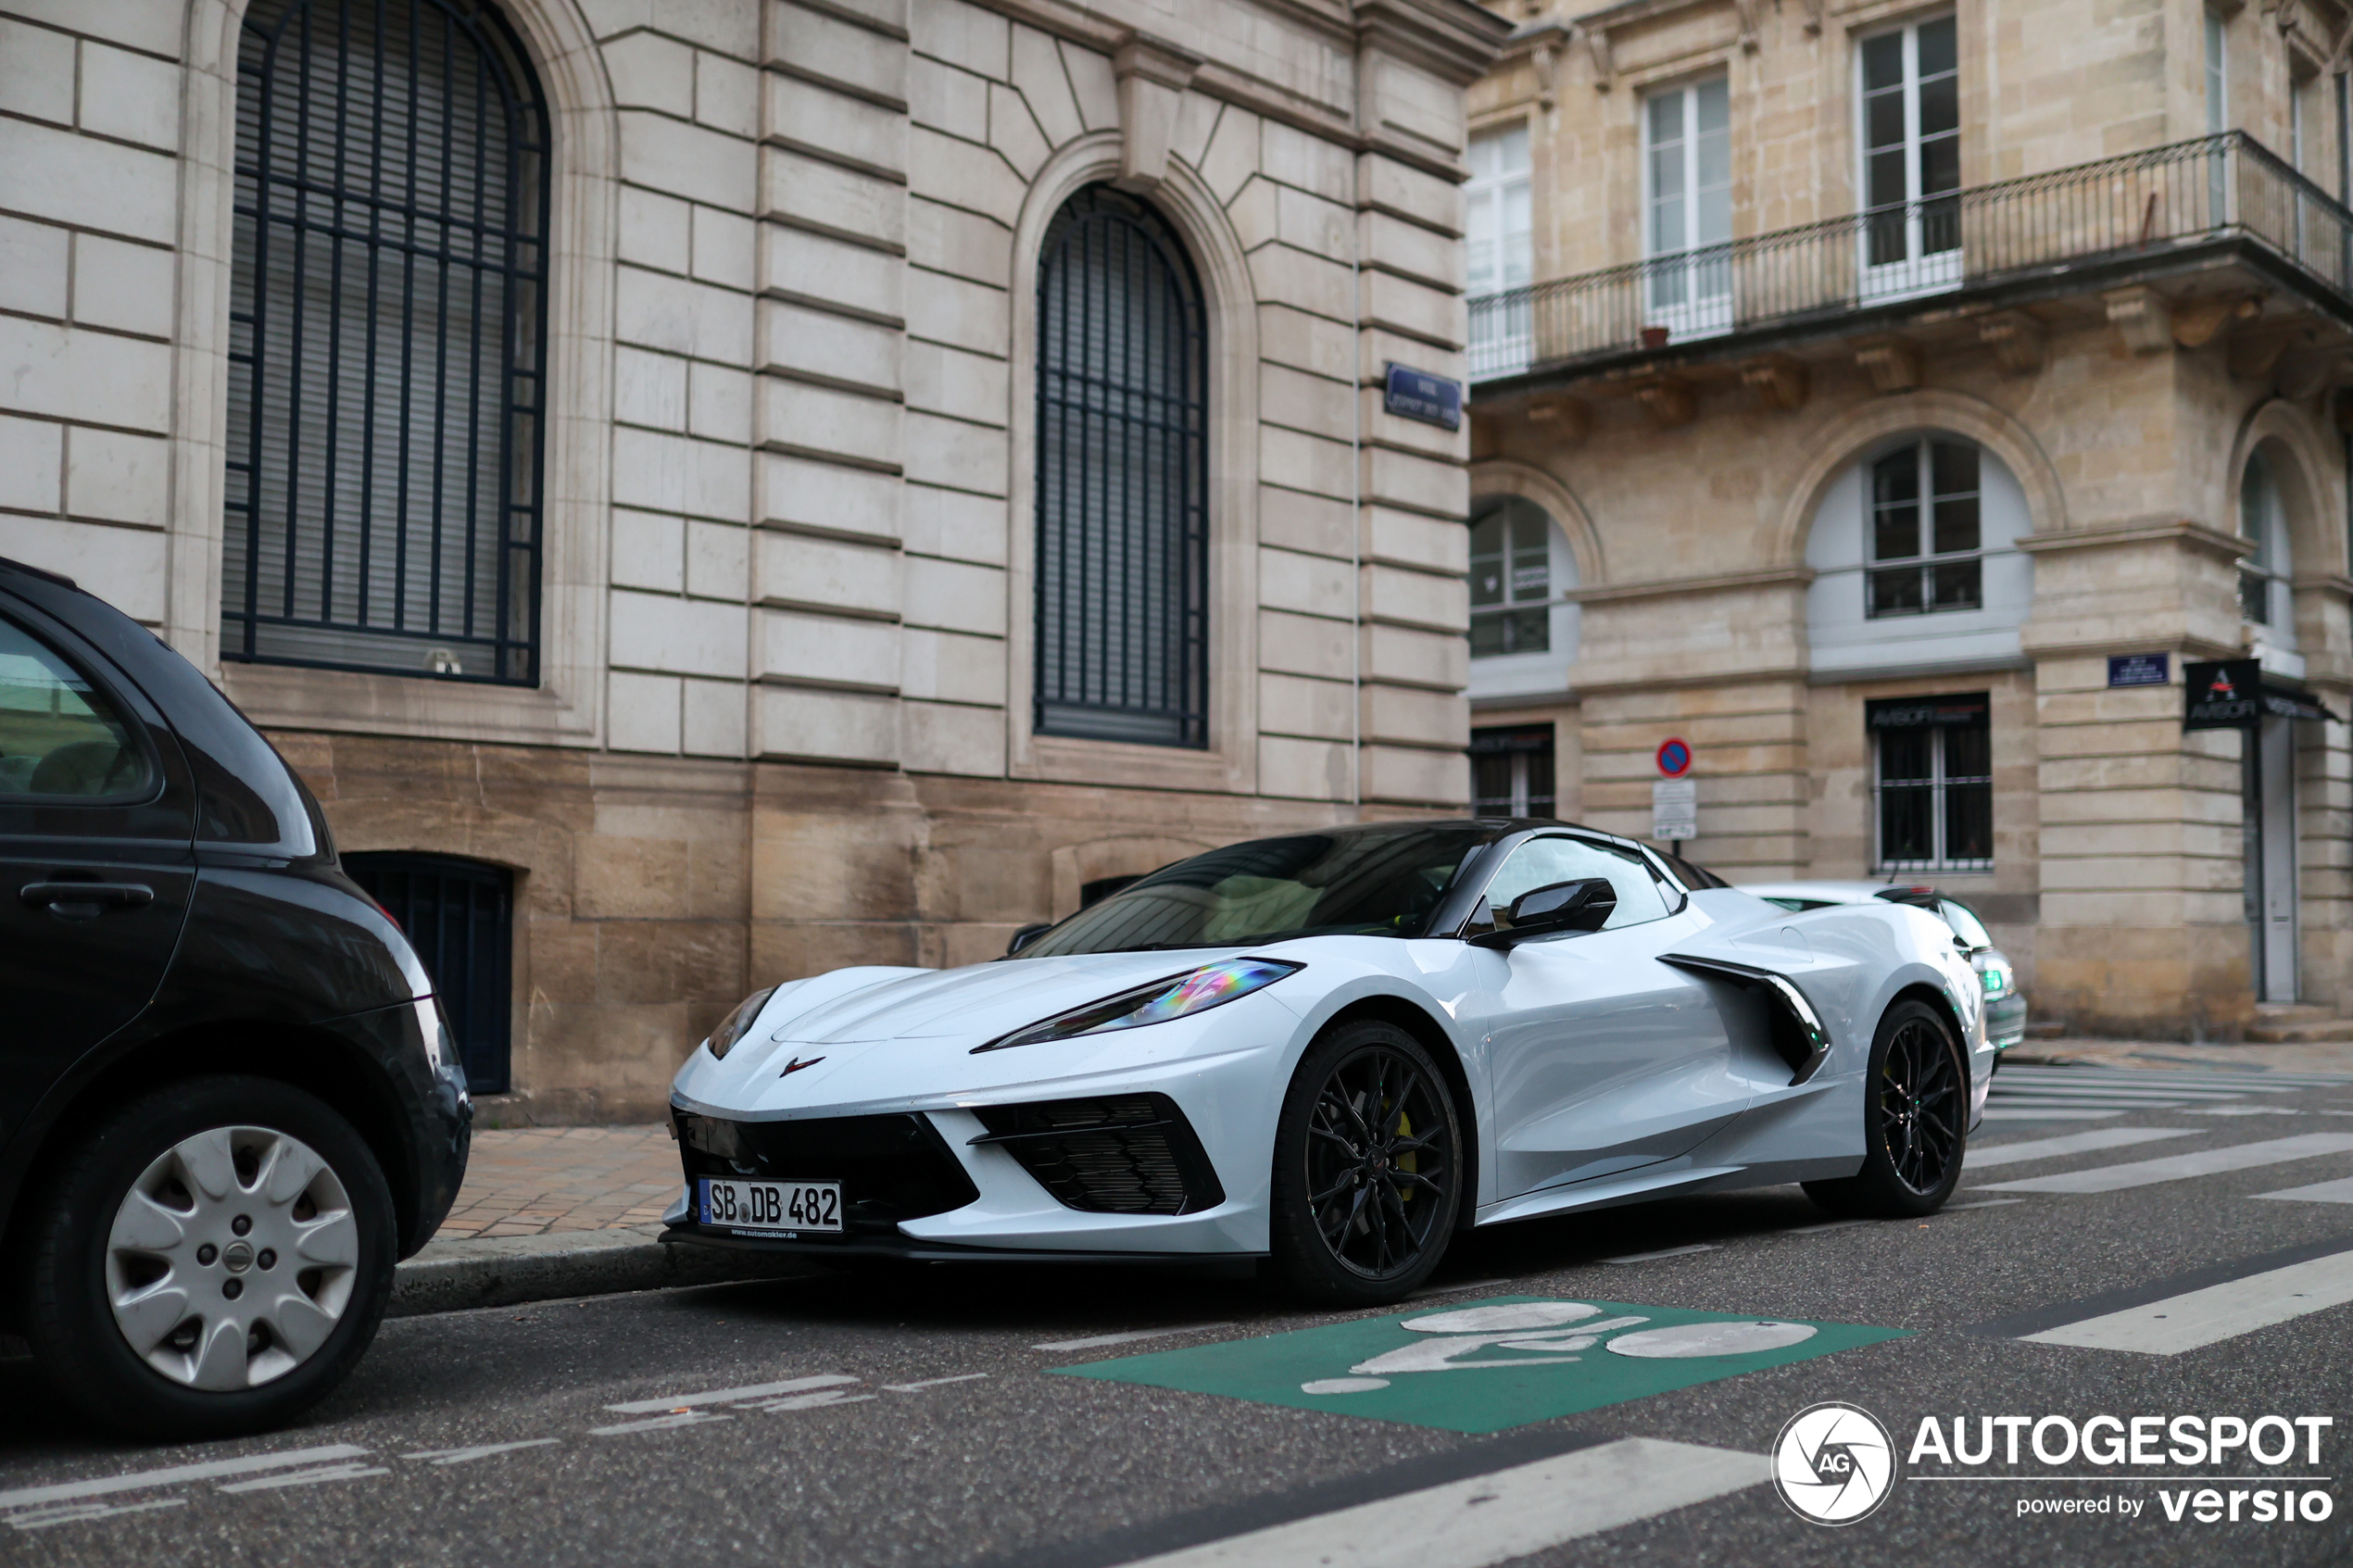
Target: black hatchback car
<point>229,1102</point>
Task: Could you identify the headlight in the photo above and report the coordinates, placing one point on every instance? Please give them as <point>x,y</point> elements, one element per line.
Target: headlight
<point>1197,990</point>
<point>722,1039</point>
<point>1997,979</point>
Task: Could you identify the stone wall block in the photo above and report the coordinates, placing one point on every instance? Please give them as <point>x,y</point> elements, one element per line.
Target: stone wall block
<point>950,29</point>
<point>794,723</point>
<point>859,58</point>
<point>944,738</point>
<point>1291,705</point>
<point>1408,776</point>
<point>956,595</point>
<point>669,473</point>
<point>1409,481</point>
<point>964,174</point>
<point>815,194</point>
<point>1314,404</point>
<point>957,455</point>
<point>1307,769</point>
<point>1038,76</point>
<point>55,174</point>
<point>820,420</point>
<point>1306,341</point>
<point>1013,132</point>
<point>682,317</point>
<point>1414,657</point>
<point>798,340</point>
<point>955,524</point>
<point>832,651</point>
<point>1093,84</point>
<point>676,636</point>
<point>946,99</point>
<point>1411,251</point>
<point>1299,461</point>
<point>1440,602</point>
<point>825,497</point>
<point>1316,525</point>
<point>1385,185</point>
<point>130,96</point>
<point>971,387</point>
<point>964,245</point>
<point>1232,156</point>
<point>952,666</point>
<point>687,160</point>
<point>1415,310</point>
<point>1304,585</point>
<point>1391,537</point>
<point>866,135</point>
<point>826,575</point>
<point>1301,645</point>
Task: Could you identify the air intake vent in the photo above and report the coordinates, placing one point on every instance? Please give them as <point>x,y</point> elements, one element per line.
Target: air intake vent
<point>1123,1154</point>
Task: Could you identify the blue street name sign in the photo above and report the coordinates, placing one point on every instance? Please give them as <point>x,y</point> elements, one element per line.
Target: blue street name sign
<point>1417,394</point>
<point>2139,669</point>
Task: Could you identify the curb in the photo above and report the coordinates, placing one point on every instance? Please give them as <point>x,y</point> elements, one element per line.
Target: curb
<point>449,1276</point>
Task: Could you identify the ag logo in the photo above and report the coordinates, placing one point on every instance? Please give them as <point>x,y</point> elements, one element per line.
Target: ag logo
<point>1833,1463</point>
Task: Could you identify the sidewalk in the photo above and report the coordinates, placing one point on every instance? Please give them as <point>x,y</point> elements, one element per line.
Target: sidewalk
<point>2326,1056</point>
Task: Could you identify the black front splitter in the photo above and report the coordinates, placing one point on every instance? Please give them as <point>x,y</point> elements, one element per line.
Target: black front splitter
<point>903,1249</point>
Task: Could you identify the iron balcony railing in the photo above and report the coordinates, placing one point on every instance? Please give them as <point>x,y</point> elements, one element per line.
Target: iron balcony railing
<point>2124,208</point>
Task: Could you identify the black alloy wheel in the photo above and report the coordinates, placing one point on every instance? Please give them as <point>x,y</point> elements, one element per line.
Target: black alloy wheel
<point>1368,1167</point>
<point>1915,1120</point>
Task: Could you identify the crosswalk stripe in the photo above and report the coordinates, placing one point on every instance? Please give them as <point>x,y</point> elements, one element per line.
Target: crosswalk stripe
<point>2267,1082</point>
<point>2339,1191</point>
<point>2175,1167</point>
<point>1493,1518</point>
<point>63,1491</point>
<point>2218,1312</point>
<point>2103,1092</point>
<point>2069,1142</point>
<point>2030,1113</point>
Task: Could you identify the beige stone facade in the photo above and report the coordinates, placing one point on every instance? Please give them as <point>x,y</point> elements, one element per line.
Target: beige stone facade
<point>783,718</point>
<point>2117,336</point>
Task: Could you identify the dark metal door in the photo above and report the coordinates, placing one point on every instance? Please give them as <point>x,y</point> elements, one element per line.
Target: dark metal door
<point>459,915</point>
<point>97,856</point>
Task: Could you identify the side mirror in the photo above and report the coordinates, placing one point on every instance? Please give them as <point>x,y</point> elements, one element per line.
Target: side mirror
<point>1565,906</point>
<point>1027,934</point>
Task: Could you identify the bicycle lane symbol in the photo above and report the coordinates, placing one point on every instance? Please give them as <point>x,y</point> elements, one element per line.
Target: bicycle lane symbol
<point>1495,1364</point>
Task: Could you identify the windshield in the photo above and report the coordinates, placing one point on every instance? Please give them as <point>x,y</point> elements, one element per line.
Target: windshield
<point>1965,923</point>
<point>1378,882</point>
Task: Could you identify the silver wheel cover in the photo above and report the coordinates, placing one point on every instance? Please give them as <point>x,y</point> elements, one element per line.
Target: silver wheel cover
<point>269,1296</point>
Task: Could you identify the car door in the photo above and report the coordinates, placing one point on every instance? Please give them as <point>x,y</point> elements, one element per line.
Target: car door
<point>1602,1058</point>
<point>96,852</point>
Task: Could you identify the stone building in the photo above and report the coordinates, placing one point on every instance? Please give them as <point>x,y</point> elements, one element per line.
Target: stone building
<point>1892,401</point>
<point>711,490</point>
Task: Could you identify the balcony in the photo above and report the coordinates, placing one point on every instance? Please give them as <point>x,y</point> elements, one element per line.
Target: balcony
<point>2218,203</point>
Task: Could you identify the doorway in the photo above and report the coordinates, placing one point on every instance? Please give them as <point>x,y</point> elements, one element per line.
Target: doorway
<point>2269,793</point>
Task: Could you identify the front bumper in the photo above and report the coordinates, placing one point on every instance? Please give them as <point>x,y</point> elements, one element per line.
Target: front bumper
<point>2005,1021</point>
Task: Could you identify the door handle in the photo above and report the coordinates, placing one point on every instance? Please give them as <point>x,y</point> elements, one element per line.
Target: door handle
<point>98,895</point>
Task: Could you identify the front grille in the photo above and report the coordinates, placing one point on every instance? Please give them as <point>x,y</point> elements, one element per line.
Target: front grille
<point>890,1168</point>
<point>1122,1154</point>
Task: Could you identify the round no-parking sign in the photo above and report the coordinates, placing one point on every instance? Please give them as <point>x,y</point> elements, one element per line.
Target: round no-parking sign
<point>1674,758</point>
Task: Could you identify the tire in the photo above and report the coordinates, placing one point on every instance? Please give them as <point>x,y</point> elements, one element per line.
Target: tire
<point>152,1311</point>
<point>1346,1230</point>
<point>1915,1121</point>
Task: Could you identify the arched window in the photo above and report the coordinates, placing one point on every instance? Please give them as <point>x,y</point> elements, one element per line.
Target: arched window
<point>2265,597</point>
<point>1916,560</point>
<point>387,342</point>
<point>1123,479</point>
<point>1523,631</point>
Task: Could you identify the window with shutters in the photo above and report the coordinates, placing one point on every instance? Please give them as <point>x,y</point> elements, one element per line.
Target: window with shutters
<point>1122,519</point>
<point>387,342</point>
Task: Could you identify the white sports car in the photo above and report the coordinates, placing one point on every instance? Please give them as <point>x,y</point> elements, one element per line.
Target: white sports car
<point>1333,1049</point>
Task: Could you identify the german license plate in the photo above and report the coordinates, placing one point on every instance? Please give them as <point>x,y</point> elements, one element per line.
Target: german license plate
<point>768,1208</point>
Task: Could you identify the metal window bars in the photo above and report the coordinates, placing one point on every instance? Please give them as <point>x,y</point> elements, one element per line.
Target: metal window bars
<point>388,341</point>
<point>1123,479</point>
<point>2132,206</point>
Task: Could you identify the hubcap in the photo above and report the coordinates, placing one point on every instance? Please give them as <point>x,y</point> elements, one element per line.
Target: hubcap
<point>232,1258</point>
<point>1380,1163</point>
<point>1920,1106</point>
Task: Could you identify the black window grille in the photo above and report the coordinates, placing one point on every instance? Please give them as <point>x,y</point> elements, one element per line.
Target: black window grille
<point>387,342</point>
<point>1123,520</point>
<point>1512,773</point>
<point>1935,786</point>
<point>459,917</point>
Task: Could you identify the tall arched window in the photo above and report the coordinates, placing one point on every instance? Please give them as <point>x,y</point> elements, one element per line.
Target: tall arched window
<point>387,342</point>
<point>1523,623</point>
<point>2265,597</point>
<point>1123,479</point>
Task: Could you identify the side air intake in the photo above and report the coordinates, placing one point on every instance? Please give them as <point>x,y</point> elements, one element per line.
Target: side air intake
<point>1797,1033</point>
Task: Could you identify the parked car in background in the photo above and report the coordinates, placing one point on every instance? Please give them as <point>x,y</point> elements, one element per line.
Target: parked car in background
<point>229,1101</point>
<point>2005,1003</point>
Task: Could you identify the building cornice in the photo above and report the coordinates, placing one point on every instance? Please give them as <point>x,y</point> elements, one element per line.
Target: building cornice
<point>2139,530</point>
<point>1669,587</point>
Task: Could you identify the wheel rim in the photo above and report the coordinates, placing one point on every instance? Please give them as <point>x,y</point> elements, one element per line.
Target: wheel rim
<point>1921,1105</point>
<point>232,1258</point>
<point>1380,1163</point>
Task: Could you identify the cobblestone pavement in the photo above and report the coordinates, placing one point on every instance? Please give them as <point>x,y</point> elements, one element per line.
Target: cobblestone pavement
<point>531,1181</point>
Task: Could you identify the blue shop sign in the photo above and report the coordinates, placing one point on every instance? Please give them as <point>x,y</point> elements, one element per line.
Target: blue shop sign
<point>2139,669</point>
<point>1417,394</point>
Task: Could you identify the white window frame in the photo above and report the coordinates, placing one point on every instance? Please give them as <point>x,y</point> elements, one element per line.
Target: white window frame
<point>1703,306</point>
<point>1925,560</point>
<point>1502,342</point>
<point>1917,273</point>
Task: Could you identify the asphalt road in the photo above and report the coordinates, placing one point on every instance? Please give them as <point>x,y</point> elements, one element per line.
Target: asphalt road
<point>922,1421</point>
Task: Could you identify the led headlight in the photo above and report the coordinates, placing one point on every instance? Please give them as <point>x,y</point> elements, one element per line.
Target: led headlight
<point>722,1039</point>
<point>1997,980</point>
<point>1197,990</point>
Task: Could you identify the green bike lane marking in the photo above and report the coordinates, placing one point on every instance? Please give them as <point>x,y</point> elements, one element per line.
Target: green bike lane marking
<point>1500,1363</point>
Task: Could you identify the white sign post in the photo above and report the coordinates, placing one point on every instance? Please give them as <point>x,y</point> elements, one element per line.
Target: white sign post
<point>1675,809</point>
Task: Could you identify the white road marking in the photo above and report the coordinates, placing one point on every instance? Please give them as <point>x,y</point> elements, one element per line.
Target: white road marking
<point>658,1424</point>
<point>67,1514</point>
<point>933,1382</point>
<point>1825,1227</point>
<point>2244,1111</point>
<point>2001,1113</point>
<point>1980,1204</point>
<point>1096,1340</point>
<point>481,1450</point>
<point>2340,1191</point>
<point>731,1396</point>
<point>1663,1252</point>
<point>2218,1312</point>
<point>306,1478</point>
<point>2068,1143</point>
<point>2122,1092</point>
<point>2175,1167</point>
<point>811,1401</point>
<point>1490,1519</point>
<point>65,1491</point>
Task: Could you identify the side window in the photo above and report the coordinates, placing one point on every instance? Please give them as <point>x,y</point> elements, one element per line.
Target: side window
<point>60,738</point>
<point>1541,862</point>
